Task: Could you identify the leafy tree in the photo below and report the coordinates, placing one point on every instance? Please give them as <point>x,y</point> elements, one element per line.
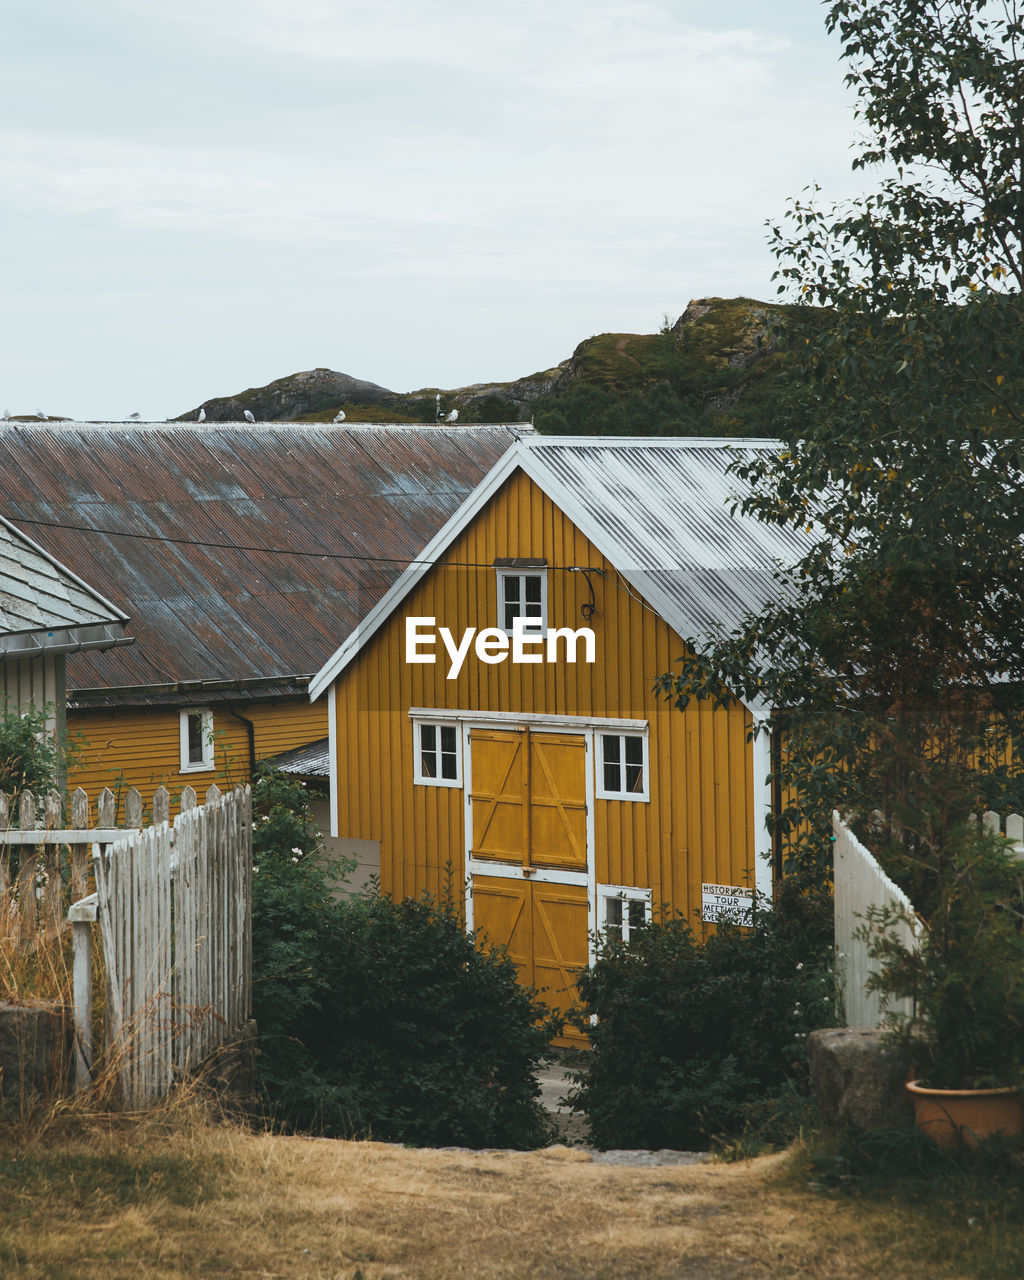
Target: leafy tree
<point>892,654</point>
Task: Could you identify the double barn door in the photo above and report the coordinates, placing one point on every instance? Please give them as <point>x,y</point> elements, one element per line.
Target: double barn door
<point>530,853</point>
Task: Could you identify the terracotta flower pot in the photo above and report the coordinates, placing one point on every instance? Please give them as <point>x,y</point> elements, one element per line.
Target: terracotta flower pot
<point>950,1116</point>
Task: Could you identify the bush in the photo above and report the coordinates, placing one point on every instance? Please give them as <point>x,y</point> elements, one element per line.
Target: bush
<point>689,1032</point>
<point>29,756</point>
<point>382,1019</point>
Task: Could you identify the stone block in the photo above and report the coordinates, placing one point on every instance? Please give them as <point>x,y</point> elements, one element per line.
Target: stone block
<point>857,1079</point>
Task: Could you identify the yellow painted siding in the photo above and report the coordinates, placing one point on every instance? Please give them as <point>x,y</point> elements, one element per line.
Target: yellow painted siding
<point>140,747</point>
<point>699,824</point>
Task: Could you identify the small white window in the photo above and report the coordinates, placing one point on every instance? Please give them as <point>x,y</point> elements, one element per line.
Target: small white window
<point>622,767</point>
<point>621,910</point>
<point>438,751</point>
<point>196,740</point>
<point>523,595</point>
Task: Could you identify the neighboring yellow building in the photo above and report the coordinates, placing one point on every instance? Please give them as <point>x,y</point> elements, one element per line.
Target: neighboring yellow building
<point>238,553</point>
<point>561,797</point>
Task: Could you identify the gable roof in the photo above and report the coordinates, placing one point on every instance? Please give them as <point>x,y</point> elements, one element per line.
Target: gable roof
<point>46,607</point>
<point>240,552</point>
<point>658,509</point>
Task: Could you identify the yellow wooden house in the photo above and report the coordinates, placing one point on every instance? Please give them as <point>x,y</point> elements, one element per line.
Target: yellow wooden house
<point>541,775</point>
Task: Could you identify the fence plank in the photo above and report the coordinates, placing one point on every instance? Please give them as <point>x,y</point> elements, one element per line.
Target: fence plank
<point>133,808</point>
<point>860,883</point>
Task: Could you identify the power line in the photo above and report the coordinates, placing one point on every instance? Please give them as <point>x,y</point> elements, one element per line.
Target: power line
<point>270,551</point>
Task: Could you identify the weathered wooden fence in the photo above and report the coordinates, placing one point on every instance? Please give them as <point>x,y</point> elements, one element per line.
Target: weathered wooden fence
<point>860,883</point>
<point>173,901</point>
<point>174,904</point>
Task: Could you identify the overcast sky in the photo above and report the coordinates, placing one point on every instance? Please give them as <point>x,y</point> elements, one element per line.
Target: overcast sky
<point>197,196</point>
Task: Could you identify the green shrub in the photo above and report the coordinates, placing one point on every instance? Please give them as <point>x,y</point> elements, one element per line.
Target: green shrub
<point>689,1032</point>
<point>380,1018</point>
<point>29,755</point>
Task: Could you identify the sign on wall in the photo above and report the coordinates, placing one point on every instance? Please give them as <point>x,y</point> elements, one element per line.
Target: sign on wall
<point>730,902</point>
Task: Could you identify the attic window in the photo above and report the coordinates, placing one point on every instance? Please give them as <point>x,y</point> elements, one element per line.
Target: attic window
<point>196,739</point>
<point>522,594</point>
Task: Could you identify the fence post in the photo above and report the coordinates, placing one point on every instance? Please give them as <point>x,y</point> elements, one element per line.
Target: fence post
<point>82,916</point>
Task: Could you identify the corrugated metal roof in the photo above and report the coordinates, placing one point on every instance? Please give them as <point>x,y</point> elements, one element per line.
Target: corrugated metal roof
<point>310,761</point>
<point>38,594</point>
<point>660,510</point>
<point>369,495</point>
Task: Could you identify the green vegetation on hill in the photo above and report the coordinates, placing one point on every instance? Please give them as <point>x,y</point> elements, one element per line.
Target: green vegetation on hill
<point>718,370</point>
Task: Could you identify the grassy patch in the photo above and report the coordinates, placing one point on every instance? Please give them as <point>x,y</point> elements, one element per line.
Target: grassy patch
<point>158,1201</point>
<point>956,1214</point>
<point>91,1180</point>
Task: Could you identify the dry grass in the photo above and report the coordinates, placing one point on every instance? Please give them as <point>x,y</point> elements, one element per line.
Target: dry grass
<point>167,1197</point>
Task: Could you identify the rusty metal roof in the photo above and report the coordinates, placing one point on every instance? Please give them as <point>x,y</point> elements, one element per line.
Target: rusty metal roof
<point>304,526</point>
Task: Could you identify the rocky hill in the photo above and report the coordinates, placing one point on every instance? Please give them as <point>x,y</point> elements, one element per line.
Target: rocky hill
<point>713,371</point>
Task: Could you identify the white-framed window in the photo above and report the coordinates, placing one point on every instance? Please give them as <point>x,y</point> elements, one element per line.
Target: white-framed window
<point>620,910</point>
<point>437,751</point>
<point>523,593</point>
<point>622,766</point>
<point>196,739</point>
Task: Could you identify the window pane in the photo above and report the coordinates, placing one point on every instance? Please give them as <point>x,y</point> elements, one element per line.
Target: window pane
<point>428,764</point>
<point>612,781</point>
<point>428,737</point>
<point>637,912</point>
<point>195,738</point>
<point>448,738</point>
<point>634,750</point>
<point>634,777</point>
<point>611,748</point>
<point>533,592</point>
<point>613,916</point>
<point>511,589</point>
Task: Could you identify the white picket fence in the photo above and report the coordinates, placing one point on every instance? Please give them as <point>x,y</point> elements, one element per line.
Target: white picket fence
<point>174,904</point>
<point>860,883</point>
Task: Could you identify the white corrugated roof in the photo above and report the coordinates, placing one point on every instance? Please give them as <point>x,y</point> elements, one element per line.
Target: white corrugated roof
<point>662,512</point>
<point>658,509</point>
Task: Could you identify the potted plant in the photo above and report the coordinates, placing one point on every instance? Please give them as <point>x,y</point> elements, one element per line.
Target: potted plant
<point>965,982</point>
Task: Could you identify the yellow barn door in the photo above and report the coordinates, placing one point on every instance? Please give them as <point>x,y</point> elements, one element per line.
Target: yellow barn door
<point>528,824</point>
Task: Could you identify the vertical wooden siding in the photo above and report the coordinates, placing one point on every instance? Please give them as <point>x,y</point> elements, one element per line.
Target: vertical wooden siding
<point>698,825</point>
<point>140,747</point>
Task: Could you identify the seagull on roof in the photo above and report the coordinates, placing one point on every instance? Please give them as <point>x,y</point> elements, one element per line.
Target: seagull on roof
<point>41,416</point>
<point>133,416</point>
<point>202,416</point>
<point>453,416</point>
<point>340,416</point>
<point>7,415</point>
<point>248,415</point>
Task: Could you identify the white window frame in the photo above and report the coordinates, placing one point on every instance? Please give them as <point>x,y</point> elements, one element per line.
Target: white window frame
<point>207,764</point>
<point>642,796</point>
<point>625,894</point>
<point>419,777</point>
<point>503,574</point>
